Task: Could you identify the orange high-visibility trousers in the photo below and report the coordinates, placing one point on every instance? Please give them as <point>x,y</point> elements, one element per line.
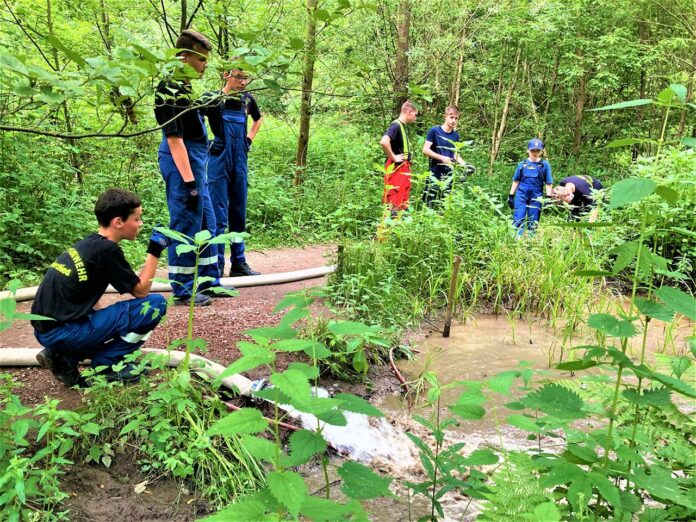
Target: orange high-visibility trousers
<point>397,185</point>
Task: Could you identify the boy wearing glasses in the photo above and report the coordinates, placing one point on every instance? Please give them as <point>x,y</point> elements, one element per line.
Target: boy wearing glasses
<point>182,158</point>
<point>227,167</point>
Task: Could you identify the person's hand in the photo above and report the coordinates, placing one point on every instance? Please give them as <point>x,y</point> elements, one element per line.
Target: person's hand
<point>398,158</point>
<point>511,201</point>
<point>193,197</point>
<point>158,242</point>
<point>446,160</point>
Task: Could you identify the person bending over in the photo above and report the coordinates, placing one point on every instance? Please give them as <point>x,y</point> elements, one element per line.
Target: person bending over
<point>76,281</point>
<point>579,193</point>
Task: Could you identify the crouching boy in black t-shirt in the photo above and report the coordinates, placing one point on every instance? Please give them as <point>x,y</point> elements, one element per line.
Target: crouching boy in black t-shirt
<point>76,281</point>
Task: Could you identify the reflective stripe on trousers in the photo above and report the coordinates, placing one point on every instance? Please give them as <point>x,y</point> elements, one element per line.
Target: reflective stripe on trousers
<point>107,335</point>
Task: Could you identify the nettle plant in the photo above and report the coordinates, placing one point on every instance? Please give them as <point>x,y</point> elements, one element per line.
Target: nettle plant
<point>286,495</point>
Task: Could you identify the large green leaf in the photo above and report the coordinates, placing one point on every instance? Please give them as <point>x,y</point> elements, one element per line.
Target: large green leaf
<point>242,511</point>
<point>360,482</point>
<point>468,411</point>
<point>480,457</point>
<point>524,423</point>
<point>630,190</point>
<point>612,326</point>
<point>294,384</point>
<point>658,397</point>
<point>623,142</point>
<point>303,446</point>
<point>608,490</point>
<point>546,512</point>
<point>259,448</point>
<point>555,400</point>
<point>661,485</point>
<point>678,301</point>
<point>253,355</point>
<point>246,420</point>
<point>626,254</point>
<point>357,404</point>
<point>652,309</point>
<point>288,488</point>
<point>623,105</point>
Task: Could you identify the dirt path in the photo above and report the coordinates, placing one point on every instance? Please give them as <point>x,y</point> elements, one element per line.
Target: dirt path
<point>222,324</point>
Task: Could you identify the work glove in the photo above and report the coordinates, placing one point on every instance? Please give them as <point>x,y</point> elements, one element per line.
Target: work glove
<point>469,169</point>
<point>511,201</point>
<point>248,143</point>
<point>158,242</point>
<point>192,195</point>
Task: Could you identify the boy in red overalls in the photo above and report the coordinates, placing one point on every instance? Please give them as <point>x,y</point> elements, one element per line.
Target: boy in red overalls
<point>395,143</point>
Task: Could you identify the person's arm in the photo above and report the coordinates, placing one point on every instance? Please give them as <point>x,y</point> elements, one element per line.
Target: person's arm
<point>513,187</point>
<point>142,288</point>
<point>549,179</point>
<point>158,242</point>
<point>385,142</point>
<point>180,157</point>
<point>434,155</point>
<point>255,126</point>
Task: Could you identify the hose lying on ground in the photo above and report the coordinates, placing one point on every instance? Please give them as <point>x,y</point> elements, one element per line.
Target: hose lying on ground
<point>27,294</point>
<point>238,383</point>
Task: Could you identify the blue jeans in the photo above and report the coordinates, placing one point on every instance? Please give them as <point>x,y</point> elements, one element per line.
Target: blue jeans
<point>106,336</point>
<point>189,221</point>
<point>228,182</point>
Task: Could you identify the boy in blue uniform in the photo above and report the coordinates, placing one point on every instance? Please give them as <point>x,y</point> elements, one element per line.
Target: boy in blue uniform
<point>183,156</point>
<point>579,193</point>
<point>531,177</point>
<point>227,167</point>
<point>439,147</point>
<point>76,281</point>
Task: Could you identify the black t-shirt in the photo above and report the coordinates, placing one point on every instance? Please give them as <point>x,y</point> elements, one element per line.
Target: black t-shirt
<point>78,278</point>
<point>582,198</point>
<point>172,98</point>
<point>397,140</point>
<point>232,102</point>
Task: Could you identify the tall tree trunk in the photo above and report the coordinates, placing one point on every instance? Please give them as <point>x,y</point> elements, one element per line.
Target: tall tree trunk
<point>401,73</point>
<point>640,113</point>
<point>579,110</point>
<point>457,84</point>
<point>72,156</point>
<point>499,132</point>
<point>306,103</point>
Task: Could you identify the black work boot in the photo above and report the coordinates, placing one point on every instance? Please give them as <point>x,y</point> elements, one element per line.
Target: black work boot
<point>63,370</point>
<point>199,299</point>
<point>242,269</point>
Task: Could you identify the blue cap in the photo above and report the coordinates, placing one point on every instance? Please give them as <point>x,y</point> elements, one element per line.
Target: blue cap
<point>535,143</point>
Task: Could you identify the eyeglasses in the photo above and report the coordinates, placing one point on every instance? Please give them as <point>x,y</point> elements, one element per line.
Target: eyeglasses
<point>241,77</point>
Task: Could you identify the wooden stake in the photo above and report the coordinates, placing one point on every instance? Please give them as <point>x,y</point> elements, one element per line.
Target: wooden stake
<point>451,296</point>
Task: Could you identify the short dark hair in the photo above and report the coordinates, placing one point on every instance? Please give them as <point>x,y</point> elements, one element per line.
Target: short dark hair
<point>189,39</point>
<point>115,203</point>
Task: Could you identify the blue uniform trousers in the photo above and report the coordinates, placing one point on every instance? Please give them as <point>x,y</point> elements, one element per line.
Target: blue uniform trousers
<point>106,336</point>
<point>527,206</point>
<point>228,179</point>
<point>189,221</point>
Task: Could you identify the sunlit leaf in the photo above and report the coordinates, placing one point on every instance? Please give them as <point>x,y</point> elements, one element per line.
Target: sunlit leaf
<point>246,420</point>
<point>623,105</point>
<point>288,488</point>
<point>630,190</point>
<point>678,301</point>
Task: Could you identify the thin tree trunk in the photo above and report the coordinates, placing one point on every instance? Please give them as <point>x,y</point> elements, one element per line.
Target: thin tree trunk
<point>72,156</point>
<point>306,103</point>
<point>689,95</point>
<point>640,113</point>
<point>498,133</point>
<point>182,23</point>
<point>532,105</point>
<point>549,96</point>
<point>457,85</point>
<point>401,72</point>
<point>579,110</point>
